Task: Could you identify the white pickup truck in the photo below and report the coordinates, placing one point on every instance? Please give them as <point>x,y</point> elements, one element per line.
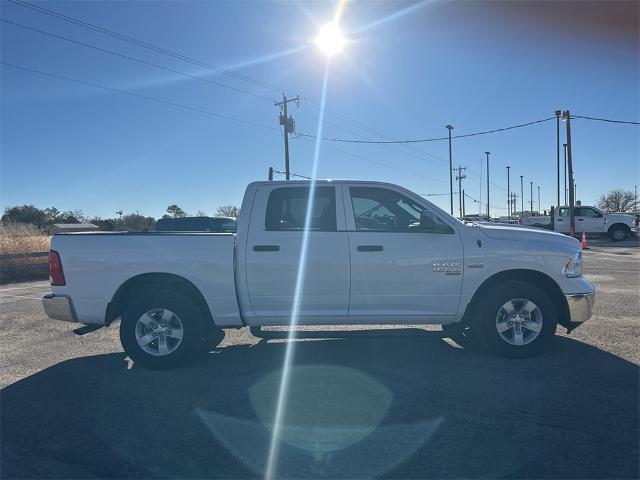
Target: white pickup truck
<point>358,253</point>
<point>618,226</point>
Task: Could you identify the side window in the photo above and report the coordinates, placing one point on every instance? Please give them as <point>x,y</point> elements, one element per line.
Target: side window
<point>287,208</point>
<point>384,210</point>
<point>564,212</point>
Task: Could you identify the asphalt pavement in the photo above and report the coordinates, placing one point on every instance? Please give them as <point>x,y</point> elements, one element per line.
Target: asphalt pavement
<point>396,403</point>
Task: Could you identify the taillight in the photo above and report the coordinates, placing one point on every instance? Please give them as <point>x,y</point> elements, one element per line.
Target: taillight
<point>55,269</point>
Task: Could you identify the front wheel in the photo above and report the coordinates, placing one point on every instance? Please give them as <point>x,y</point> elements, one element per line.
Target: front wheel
<point>618,233</point>
<point>161,330</point>
<point>517,319</point>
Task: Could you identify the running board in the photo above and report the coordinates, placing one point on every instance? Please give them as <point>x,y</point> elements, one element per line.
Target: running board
<point>87,329</point>
<point>374,332</point>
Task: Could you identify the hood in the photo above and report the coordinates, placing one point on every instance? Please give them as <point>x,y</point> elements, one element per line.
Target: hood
<point>508,232</point>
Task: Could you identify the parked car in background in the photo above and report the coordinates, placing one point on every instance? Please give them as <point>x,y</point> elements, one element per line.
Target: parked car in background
<point>376,253</point>
<point>197,224</point>
<point>590,220</point>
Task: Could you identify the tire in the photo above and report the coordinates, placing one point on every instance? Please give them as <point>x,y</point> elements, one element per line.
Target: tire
<point>161,330</point>
<point>618,233</point>
<point>519,336</point>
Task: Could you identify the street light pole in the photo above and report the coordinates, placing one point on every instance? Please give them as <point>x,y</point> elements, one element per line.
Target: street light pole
<point>487,154</point>
<point>531,198</point>
<point>558,113</point>
<point>565,173</point>
<point>538,198</point>
<point>508,193</point>
<point>450,127</point>
<point>521,195</point>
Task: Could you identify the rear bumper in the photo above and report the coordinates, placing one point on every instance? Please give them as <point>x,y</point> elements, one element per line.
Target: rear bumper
<point>580,307</point>
<point>59,307</point>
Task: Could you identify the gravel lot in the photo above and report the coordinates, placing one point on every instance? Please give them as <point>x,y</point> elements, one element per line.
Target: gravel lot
<point>397,405</point>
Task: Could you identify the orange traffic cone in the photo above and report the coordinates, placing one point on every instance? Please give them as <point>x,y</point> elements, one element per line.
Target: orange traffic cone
<point>584,241</point>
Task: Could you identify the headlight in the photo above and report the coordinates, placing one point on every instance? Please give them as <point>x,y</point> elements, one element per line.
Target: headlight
<point>573,266</point>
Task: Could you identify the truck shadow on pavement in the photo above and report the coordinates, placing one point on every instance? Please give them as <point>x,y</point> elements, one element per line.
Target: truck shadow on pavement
<point>397,407</point>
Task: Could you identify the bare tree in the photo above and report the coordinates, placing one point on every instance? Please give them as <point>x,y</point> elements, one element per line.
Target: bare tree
<point>228,211</point>
<point>617,201</point>
<point>200,213</point>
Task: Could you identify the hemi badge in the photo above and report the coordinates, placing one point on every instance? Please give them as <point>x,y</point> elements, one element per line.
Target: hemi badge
<point>476,265</point>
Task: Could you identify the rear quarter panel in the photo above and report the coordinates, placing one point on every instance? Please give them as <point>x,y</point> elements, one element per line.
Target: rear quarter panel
<point>96,265</point>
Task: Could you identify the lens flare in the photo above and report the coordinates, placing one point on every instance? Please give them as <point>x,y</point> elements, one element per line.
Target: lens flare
<point>283,391</point>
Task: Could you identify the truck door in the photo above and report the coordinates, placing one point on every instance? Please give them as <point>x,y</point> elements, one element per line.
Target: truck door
<point>400,270</point>
<point>275,238</point>
<point>589,220</point>
<point>562,221</point>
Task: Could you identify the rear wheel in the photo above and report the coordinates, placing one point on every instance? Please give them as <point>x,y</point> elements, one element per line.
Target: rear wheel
<point>618,233</point>
<point>161,330</point>
<point>517,319</point>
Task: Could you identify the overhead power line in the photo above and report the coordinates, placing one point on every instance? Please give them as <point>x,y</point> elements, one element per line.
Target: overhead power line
<point>423,140</point>
<point>144,44</point>
<point>605,120</point>
<point>137,60</point>
<point>137,95</point>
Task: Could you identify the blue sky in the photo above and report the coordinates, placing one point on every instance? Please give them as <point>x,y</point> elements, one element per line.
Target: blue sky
<point>476,65</point>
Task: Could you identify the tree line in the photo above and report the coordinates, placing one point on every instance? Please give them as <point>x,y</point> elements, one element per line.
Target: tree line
<point>42,218</point>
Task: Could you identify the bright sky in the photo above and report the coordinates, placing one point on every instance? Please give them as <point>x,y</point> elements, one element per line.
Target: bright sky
<point>407,70</point>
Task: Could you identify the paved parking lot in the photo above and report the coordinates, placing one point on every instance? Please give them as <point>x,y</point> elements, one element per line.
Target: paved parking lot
<point>401,405</point>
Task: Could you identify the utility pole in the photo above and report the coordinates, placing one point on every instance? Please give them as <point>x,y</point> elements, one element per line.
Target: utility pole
<point>531,198</point>
<point>558,113</point>
<point>575,192</point>
<point>565,174</point>
<point>464,210</point>
<point>450,127</point>
<point>459,178</point>
<point>487,154</point>
<point>521,195</point>
<point>508,192</point>
<point>271,174</point>
<point>566,116</point>
<point>538,198</point>
<point>289,127</point>
<point>480,201</point>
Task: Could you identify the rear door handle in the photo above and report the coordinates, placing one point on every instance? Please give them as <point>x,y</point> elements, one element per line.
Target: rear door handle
<point>581,219</point>
<point>266,248</point>
<point>370,248</point>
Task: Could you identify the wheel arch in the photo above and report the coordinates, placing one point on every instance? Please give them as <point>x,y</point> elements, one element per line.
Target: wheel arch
<point>155,281</point>
<point>624,226</point>
<point>539,279</point>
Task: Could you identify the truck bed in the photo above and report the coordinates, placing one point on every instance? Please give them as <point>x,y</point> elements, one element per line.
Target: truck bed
<point>97,264</point>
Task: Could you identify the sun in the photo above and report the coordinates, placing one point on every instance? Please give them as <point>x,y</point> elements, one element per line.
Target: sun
<point>330,39</point>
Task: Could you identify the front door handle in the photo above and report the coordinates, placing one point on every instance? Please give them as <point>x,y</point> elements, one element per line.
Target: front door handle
<point>581,219</point>
<point>266,248</point>
<point>370,248</point>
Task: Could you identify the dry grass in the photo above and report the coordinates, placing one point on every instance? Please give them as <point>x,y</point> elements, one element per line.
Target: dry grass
<point>22,238</point>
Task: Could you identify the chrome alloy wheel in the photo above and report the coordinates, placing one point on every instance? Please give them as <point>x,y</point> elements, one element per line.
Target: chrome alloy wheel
<point>519,321</point>
<point>159,332</point>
